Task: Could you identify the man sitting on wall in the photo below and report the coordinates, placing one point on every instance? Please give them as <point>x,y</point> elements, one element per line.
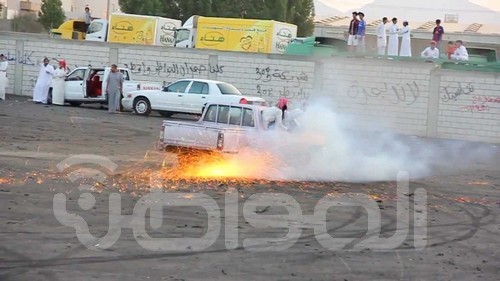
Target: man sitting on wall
<point>431,52</point>
<point>461,52</point>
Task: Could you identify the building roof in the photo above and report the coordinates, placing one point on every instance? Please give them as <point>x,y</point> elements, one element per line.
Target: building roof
<point>474,28</point>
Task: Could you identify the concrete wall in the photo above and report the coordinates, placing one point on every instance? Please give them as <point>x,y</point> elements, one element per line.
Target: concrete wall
<point>413,98</point>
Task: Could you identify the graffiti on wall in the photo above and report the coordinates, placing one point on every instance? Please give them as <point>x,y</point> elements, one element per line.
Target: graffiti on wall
<point>19,57</point>
<point>294,88</point>
<point>481,103</point>
<point>27,58</point>
<point>174,69</point>
<point>452,93</point>
<point>407,93</point>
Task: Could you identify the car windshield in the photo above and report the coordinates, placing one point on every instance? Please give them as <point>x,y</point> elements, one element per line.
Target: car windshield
<point>95,27</point>
<point>182,35</point>
<point>228,89</point>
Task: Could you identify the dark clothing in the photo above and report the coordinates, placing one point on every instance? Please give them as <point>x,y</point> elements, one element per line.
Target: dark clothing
<point>437,34</point>
<point>353,27</point>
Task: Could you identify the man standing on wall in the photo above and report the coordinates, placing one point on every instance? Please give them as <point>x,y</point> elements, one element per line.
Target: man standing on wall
<point>361,33</point>
<point>405,40</point>
<point>114,89</point>
<point>88,18</point>
<point>3,76</point>
<point>393,47</point>
<point>437,34</point>
<point>353,31</point>
<point>41,91</point>
<point>381,37</point>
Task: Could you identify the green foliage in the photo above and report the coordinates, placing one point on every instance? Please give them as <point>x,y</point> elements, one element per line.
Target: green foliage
<point>51,14</point>
<point>299,12</point>
<point>142,7</point>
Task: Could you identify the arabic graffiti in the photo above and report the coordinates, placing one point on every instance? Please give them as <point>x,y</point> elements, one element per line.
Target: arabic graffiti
<point>399,93</point>
<point>267,92</point>
<point>268,74</point>
<point>174,69</point>
<point>481,103</point>
<point>21,58</point>
<point>453,93</point>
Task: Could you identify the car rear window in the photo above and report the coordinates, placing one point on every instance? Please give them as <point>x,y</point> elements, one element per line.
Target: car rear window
<point>228,89</point>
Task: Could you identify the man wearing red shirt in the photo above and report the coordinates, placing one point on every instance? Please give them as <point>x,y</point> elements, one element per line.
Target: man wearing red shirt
<point>352,41</point>
<point>437,34</point>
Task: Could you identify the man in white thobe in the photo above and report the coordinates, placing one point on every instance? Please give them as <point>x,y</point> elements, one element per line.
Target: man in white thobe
<point>381,37</point>
<point>392,48</point>
<point>431,52</point>
<point>3,76</point>
<point>41,91</point>
<point>58,84</point>
<point>405,40</point>
<point>273,115</point>
<point>461,52</point>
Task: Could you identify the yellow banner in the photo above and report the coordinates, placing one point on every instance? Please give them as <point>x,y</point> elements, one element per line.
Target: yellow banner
<point>242,35</point>
<point>131,30</point>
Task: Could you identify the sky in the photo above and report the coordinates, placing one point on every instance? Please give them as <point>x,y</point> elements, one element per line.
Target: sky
<point>345,5</point>
<point>465,11</point>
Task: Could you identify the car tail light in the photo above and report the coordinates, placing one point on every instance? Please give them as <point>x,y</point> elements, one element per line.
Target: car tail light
<point>129,95</point>
<point>220,141</point>
<point>243,101</point>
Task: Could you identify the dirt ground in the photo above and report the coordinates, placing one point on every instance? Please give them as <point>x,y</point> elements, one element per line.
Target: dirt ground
<point>460,214</point>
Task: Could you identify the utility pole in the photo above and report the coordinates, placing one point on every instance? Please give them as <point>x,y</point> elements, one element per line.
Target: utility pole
<point>107,10</point>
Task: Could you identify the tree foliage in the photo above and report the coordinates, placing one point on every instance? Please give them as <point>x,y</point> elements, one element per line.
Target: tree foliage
<point>51,14</point>
<point>142,7</point>
<point>299,12</point>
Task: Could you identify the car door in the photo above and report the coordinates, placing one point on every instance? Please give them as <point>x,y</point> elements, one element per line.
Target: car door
<point>127,85</point>
<point>172,96</point>
<point>196,97</point>
<point>74,88</point>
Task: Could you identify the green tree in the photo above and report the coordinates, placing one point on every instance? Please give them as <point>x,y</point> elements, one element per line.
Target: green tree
<point>51,14</point>
<point>143,7</point>
<point>188,8</point>
<point>301,13</point>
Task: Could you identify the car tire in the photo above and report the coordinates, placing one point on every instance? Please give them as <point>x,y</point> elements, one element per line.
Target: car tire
<point>142,106</point>
<point>75,104</point>
<point>166,114</point>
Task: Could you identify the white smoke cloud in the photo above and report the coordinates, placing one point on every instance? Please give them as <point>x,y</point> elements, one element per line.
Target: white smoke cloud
<point>349,154</point>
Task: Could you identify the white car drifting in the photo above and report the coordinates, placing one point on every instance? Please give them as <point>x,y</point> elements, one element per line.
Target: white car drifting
<point>186,96</point>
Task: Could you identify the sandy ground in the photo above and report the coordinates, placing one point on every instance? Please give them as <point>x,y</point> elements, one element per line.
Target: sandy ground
<point>460,215</point>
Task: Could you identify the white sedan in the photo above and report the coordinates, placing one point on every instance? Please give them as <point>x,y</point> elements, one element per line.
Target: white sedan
<point>185,96</point>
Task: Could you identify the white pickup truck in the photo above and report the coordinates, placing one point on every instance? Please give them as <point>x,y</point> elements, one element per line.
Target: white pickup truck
<point>87,85</point>
<point>230,128</point>
<point>222,127</point>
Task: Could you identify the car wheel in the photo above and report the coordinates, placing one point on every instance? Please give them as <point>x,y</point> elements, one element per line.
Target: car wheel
<point>75,104</point>
<point>142,106</point>
<point>166,114</point>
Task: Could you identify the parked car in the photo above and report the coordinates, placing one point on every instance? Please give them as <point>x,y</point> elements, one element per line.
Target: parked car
<point>87,85</point>
<point>185,96</point>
